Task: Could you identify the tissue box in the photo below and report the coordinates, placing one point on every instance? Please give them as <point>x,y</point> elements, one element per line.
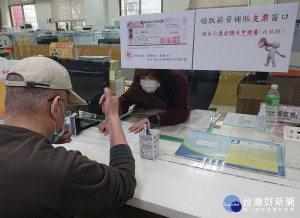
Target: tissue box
<point>149,144</point>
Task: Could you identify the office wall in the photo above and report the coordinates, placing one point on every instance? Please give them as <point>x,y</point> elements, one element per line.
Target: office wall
<point>175,5</point>
<point>195,4</point>
<point>43,14</point>
<point>290,1</point>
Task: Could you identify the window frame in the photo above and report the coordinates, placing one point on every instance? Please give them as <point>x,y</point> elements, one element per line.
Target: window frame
<point>23,13</point>
<point>121,3</point>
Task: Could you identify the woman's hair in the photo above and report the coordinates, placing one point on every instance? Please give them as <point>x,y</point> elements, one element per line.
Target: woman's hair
<point>160,75</point>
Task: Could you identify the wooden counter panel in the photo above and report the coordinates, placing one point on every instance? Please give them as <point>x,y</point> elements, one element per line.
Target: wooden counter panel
<point>23,51</point>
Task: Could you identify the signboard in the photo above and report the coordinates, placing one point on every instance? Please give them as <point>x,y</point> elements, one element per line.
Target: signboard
<point>256,38</point>
<point>157,41</point>
<point>63,50</point>
<point>5,66</point>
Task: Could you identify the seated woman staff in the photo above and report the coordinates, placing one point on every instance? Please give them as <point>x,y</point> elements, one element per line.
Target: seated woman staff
<point>151,89</point>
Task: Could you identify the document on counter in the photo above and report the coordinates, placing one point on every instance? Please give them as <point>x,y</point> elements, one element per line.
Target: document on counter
<point>259,156</point>
<point>242,120</point>
<point>131,138</point>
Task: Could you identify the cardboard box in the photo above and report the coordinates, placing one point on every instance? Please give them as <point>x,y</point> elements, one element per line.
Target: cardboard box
<point>227,87</point>
<point>117,86</point>
<point>114,65</point>
<point>114,75</point>
<point>249,97</point>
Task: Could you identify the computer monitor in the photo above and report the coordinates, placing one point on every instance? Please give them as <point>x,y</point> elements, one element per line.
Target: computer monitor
<point>89,78</point>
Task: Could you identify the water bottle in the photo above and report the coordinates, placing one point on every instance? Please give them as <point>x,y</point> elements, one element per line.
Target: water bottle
<point>272,100</point>
<point>261,119</point>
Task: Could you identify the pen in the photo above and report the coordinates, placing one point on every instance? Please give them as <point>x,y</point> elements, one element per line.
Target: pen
<point>147,131</point>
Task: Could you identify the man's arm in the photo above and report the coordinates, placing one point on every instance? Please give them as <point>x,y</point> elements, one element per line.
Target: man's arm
<point>90,187</point>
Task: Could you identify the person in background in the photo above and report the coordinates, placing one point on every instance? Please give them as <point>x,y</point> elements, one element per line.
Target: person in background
<point>38,180</point>
<point>153,89</point>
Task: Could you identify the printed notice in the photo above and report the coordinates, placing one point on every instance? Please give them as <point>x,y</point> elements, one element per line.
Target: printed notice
<point>161,41</point>
<point>256,38</point>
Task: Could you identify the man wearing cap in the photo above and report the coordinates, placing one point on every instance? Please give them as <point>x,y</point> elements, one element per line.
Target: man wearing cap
<point>38,180</point>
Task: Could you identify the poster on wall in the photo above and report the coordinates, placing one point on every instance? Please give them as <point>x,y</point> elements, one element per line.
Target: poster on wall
<point>157,41</point>
<point>256,38</point>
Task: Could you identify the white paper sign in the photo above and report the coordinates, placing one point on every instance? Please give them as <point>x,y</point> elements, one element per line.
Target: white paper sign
<point>5,65</point>
<point>256,38</point>
<point>157,41</point>
<point>243,120</point>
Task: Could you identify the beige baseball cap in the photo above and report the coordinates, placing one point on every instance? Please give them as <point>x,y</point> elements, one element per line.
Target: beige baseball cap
<point>43,72</point>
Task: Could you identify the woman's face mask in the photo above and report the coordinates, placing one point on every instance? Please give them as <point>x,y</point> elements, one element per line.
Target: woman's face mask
<point>149,86</point>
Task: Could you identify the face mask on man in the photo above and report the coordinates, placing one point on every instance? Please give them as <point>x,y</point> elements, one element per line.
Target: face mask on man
<point>149,86</point>
<point>55,135</point>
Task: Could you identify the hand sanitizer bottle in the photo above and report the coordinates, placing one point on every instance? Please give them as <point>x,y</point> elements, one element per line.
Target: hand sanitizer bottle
<point>261,119</point>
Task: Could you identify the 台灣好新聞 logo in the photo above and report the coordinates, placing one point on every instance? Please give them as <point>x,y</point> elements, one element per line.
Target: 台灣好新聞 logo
<point>232,203</point>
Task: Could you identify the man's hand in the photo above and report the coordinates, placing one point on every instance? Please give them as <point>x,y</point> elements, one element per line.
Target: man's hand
<point>66,137</point>
<point>139,126</point>
<point>110,104</point>
<point>103,128</point>
<point>110,107</point>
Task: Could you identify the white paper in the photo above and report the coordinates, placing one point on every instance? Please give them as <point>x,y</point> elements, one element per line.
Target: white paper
<point>5,66</point>
<point>242,120</point>
<point>227,38</point>
<point>159,41</point>
<point>131,138</point>
<point>207,143</point>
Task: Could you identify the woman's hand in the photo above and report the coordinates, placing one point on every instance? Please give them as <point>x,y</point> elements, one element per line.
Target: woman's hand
<point>103,128</point>
<point>139,126</point>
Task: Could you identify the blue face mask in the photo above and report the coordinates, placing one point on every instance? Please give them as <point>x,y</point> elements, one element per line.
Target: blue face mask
<point>55,135</point>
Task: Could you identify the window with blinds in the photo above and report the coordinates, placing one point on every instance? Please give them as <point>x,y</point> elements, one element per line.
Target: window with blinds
<point>134,7</point>
<point>23,11</point>
<point>67,10</point>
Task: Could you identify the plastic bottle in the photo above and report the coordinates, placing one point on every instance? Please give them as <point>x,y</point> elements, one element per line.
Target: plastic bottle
<point>261,119</point>
<point>273,98</point>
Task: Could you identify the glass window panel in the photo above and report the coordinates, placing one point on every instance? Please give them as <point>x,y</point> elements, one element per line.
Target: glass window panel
<point>149,7</point>
<point>130,7</point>
<point>17,15</point>
<point>30,15</point>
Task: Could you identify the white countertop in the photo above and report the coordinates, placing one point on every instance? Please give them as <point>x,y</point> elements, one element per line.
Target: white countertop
<point>176,187</point>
